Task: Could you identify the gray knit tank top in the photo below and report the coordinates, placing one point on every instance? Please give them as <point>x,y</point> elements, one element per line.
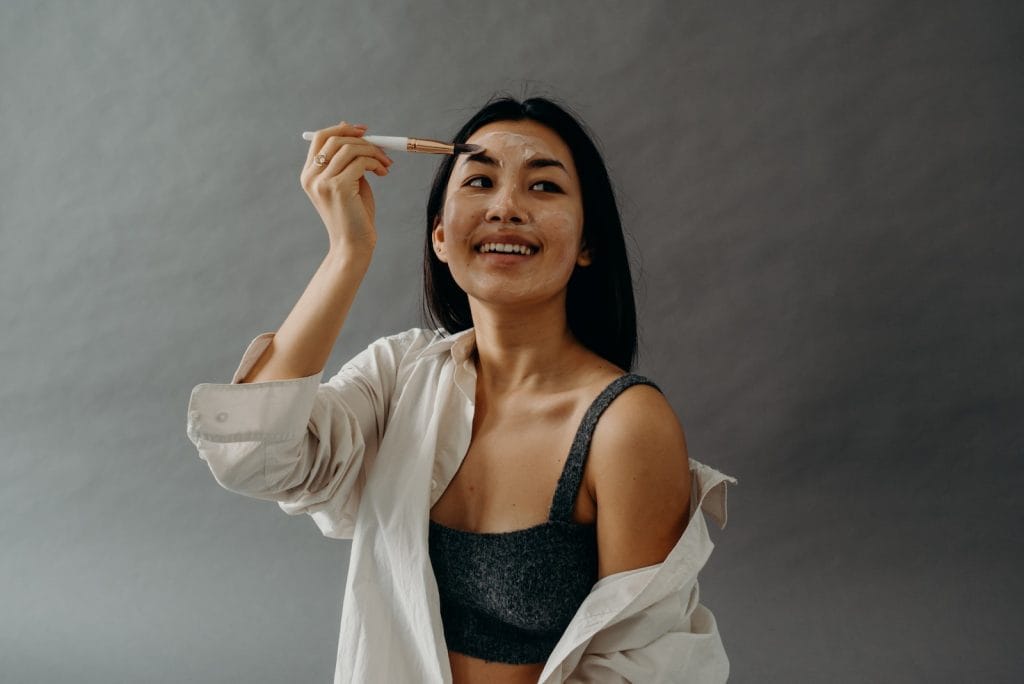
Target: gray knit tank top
<point>508,596</point>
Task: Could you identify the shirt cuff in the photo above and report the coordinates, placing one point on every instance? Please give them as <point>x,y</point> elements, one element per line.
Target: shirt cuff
<point>252,354</point>
<point>270,411</point>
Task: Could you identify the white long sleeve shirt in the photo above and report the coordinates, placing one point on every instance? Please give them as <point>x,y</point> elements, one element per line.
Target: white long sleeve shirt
<point>369,452</point>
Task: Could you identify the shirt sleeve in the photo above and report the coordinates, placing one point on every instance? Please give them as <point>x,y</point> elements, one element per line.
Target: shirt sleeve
<point>663,644</point>
<point>300,442</point>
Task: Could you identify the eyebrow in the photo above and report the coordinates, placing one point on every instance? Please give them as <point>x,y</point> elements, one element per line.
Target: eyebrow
<point>484,158</point>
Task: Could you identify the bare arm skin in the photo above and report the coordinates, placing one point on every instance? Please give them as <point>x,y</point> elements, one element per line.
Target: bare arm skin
<point>641,475</point>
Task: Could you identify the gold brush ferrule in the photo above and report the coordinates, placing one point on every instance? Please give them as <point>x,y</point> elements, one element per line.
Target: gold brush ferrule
<point>429,146</point>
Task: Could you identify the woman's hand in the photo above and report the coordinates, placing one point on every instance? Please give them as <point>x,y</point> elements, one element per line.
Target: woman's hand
<point>339,191</point>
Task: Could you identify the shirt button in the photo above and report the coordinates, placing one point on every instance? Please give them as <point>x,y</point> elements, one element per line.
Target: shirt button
<point>433,484</point>
<point>194,415</point>
<point>222,416</point>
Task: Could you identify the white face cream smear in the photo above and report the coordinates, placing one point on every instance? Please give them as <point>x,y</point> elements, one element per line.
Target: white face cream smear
<point>512,152</point>
<point>518,149</point>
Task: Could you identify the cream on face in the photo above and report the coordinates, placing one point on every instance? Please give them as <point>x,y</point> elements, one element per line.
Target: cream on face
<point>513,153</point>
<point>517,148</point>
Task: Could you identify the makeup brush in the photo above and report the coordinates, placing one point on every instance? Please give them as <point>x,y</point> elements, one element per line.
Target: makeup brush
<point>423,145</point>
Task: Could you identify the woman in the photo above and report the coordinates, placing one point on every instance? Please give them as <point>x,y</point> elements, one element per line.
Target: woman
<point>559,483</point>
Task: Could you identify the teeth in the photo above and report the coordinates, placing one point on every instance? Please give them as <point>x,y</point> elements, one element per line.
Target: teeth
<point>507,249</point>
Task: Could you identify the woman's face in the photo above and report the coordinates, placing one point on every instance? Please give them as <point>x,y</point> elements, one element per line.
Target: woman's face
<point>522,189</point>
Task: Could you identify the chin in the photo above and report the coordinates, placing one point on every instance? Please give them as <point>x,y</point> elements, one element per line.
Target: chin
<point>501,296</point>
<point>502,290</point>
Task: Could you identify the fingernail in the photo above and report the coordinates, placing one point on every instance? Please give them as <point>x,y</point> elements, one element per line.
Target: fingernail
<point>363,126</point>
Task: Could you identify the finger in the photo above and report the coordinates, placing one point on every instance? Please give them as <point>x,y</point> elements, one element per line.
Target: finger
<point>321,136</point>
<point>333,149</point>
<point>349,155</point>
<point>351,173</point>
<point>341,151</point>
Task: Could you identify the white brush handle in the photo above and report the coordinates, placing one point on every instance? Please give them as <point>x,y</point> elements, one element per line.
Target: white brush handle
<point>388,142</point>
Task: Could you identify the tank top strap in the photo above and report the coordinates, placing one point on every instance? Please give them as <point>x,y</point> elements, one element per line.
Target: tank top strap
<point>572,473</point>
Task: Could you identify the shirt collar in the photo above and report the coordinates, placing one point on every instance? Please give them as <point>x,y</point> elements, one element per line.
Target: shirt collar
<point>464,345</point>
<point>460,345</point>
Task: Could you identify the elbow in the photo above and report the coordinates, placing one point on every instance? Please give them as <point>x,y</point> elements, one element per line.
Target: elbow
<point>237,466</point>
<point>315,468</point>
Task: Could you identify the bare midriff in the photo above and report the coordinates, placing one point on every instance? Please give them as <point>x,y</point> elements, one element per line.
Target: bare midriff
<point>469,670</point>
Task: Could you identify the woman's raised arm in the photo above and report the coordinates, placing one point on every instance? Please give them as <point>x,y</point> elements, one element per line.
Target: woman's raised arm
<point>333,179</point>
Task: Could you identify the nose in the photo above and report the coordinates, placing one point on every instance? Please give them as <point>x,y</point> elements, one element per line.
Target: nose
<point>505,208</point>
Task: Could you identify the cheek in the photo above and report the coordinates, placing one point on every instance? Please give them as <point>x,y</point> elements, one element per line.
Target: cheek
<point>564,223</point>
<point>460,211</point>
<point>557,218</point>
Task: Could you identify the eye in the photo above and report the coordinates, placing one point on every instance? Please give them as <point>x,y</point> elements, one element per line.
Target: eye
<point>554,186</point>
<point>471,183</point>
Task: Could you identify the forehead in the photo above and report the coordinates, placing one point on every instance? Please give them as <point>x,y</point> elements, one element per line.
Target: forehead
<point>516,141</point>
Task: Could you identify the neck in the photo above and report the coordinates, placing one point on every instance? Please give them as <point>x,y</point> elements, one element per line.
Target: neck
<point>523,348</point>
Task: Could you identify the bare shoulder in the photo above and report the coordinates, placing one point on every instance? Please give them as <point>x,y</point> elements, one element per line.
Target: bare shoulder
<point>640,416</point>
<point>639,475</point>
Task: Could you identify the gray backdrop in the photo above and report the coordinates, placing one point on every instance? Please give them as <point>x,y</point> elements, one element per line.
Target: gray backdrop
<point>823,200</point>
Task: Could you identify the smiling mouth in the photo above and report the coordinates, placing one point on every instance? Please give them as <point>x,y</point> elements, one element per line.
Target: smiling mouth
<point>506,249</point>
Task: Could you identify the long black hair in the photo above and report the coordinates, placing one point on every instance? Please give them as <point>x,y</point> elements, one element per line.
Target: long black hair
<point>600,309</point>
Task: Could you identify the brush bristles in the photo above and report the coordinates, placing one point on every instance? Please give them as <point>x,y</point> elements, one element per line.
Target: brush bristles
<point>466,148</point>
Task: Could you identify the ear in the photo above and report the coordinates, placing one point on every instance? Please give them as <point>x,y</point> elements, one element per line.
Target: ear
<point>584,256</point>
<point>438,239</point>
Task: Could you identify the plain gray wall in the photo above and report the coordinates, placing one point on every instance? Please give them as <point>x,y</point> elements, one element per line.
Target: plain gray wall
<point>824,205</point>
